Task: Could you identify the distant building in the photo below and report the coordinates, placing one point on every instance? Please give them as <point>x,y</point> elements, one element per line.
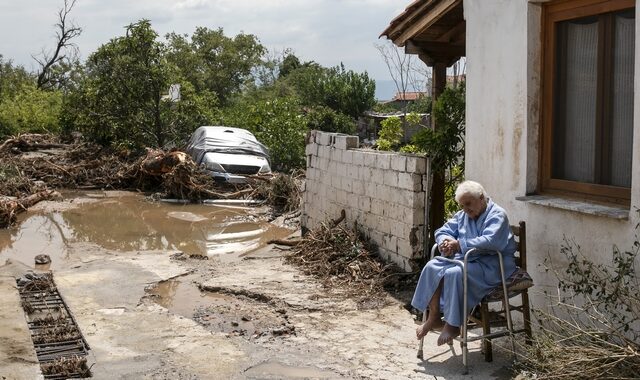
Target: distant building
<point>402,99</point>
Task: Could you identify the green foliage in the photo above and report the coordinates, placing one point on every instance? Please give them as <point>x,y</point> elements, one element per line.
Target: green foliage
<point>119,102</point>
<point>278,124</point>
<point>390,133</point>
<point>591,330</point>
<point>23,107</point>
<point>454,176</point>
<point>213,62</point>
<point>613,290</point>
<point>325,119</point>
<point>30,110</point>
<point>342,90</point>
<point>421,105</point>
<point>410,148</point>
<point>289,64</point>
<point>13,79</point>
<point>445,145</point>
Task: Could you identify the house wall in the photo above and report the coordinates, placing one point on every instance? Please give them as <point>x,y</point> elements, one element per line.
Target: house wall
<point>503,50</point>
<point>382,191</point>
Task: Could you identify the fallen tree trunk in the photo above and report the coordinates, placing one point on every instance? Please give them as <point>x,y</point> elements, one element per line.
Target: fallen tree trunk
<point>9,209</point>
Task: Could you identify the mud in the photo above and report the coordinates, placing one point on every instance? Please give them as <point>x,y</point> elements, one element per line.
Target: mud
<point>151,306</point>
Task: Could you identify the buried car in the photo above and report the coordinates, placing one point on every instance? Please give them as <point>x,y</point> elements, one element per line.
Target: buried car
<point>229,154</point>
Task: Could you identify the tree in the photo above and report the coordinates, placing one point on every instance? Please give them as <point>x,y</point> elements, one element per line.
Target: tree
<point>121,99</point>
<point>30,110</point>
<point>342,90</point>
<point>211,61</point>
<point>65,32</point>
<point>407,73</point>
<point>278,123</point>
<point>24,107</point>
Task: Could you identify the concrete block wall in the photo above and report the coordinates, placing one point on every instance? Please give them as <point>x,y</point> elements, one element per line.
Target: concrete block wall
<point>384,192</point>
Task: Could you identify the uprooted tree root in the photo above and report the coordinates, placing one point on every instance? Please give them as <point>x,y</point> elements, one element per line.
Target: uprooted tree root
<point>343,260</point>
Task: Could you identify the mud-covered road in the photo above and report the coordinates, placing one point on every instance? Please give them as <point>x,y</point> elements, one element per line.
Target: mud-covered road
<point>170,291</point>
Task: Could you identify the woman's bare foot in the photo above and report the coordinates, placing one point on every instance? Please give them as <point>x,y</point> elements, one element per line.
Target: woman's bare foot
<point>448,333</point>
<point>430,324</point>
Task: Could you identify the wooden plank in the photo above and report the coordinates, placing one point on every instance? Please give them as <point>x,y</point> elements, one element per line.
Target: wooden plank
<point>432,16</point>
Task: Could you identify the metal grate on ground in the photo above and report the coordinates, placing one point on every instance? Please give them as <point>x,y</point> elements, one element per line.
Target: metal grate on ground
<point>60,347</point>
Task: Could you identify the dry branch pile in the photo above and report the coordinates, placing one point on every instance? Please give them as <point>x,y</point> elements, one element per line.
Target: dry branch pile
<point>343,260</point>
<point>574,347</point>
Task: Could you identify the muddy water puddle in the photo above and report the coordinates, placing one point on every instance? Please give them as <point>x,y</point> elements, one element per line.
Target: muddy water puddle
<point>127,222</point>
<point>233,314</point>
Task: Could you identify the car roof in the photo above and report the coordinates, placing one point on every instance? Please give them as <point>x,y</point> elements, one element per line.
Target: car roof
<point>223,132</point>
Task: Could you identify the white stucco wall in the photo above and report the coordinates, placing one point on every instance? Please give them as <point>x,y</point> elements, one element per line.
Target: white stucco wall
<point>503,82</point>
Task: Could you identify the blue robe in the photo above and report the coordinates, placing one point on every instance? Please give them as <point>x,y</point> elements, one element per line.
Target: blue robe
<point>490,231</point>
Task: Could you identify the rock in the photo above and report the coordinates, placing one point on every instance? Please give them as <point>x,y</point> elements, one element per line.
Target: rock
<point>42,259</point>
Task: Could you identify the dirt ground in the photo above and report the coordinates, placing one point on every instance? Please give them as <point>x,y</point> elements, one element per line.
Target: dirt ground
<point>160,314</point>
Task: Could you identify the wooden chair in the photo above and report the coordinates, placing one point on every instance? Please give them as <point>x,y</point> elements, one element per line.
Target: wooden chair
<point>482,317</point>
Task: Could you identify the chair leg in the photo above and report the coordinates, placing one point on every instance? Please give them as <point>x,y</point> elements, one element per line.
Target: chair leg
<point>526,316</point>
<point>486,329</point>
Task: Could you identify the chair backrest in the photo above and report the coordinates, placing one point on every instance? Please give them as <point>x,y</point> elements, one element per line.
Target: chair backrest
<point>520,234</point>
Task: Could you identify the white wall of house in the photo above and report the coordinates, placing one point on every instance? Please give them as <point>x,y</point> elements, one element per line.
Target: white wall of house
<point>503,93</point>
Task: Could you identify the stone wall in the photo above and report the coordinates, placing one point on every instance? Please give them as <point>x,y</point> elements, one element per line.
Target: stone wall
<point>384,192</point>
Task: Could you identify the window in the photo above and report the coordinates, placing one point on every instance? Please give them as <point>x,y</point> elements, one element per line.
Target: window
<point>587,115</point>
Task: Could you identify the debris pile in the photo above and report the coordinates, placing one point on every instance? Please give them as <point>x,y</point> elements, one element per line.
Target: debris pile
<point>343,259</point>
<point>33,163</point>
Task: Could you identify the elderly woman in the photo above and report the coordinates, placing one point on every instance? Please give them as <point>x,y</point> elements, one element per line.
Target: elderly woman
<point>483,225</point>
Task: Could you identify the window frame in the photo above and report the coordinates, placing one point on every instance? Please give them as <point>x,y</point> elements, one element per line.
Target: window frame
<point>552,13</point>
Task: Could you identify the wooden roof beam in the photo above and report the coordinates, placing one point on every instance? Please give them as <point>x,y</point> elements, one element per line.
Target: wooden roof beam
<point>434,52</point>
<point>453,33</point>
<point>435,14</point>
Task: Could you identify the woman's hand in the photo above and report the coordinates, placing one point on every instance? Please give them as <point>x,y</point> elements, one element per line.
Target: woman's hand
<point>449,247</point>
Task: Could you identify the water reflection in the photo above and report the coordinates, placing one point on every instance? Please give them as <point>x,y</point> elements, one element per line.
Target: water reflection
<point>128,223</point>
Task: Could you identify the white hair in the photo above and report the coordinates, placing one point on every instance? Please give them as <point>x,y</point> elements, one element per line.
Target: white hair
<point>471,188</point>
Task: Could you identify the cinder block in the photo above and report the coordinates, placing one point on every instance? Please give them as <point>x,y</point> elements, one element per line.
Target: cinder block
<point>352,171</point>
<point>378,207</point>
<point>357,187</point>
<point>399,162</point>
<point>377,176</point>
<point>413,216</point>
<point>417,165</point>
<point>341,197</point>
<point>347,157</point>
<point>385,225</point>
<point>358,156</point>
<point>390,177</point>
<point>376,237</point>
<point>401,230</point>
<point>311,149</point>
<point>410,181</point>
<point>325,138</point>
<point>370,189</point>
<point>336,155</point>
<point>346,142</point>
<point>369,158</point>
<point>364,203</point>
<point>383,160</point>
<point>390,242</point>
<point>369,220</point>
<point>341,169</point>
<point>347,184</point>
<point>405,249</point>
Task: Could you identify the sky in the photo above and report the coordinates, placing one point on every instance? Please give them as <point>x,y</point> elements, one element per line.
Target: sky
<point>325,31</point>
